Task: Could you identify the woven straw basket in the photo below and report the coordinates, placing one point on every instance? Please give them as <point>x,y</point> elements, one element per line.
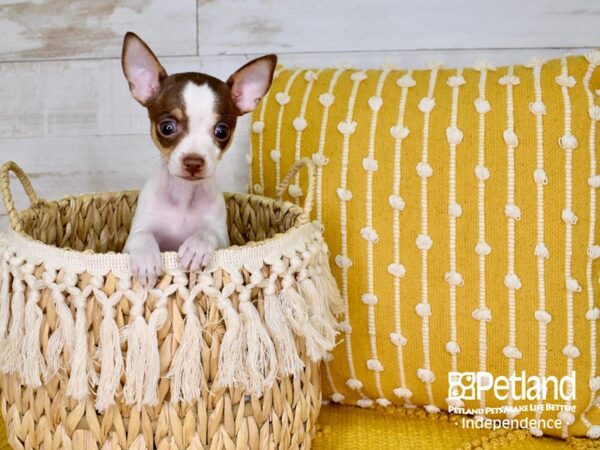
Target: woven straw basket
<point>225,358</point>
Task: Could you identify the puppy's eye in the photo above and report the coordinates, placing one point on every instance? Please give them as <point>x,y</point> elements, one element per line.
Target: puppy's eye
<point>222,131</point>
<point>167,128</point>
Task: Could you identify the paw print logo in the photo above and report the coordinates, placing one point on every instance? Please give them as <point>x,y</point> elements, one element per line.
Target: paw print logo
<point>461,385</point>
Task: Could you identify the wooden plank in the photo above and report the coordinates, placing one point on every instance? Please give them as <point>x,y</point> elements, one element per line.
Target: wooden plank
<point>60,166</point>
<point>49,29</point>
<point>67,98</point>
<point>89,98</point>
<point>409,59</point>
<point>61,29</point>
<point>251,26</point>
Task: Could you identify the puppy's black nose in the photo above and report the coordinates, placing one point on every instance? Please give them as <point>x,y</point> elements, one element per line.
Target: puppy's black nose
<point>193,164</point>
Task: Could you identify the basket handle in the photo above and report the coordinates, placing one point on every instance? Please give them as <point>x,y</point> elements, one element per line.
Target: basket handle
<point>9,202</point>
<point>310,192</point>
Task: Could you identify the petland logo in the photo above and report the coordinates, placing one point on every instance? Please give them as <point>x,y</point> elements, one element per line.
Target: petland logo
<point>471,385</point>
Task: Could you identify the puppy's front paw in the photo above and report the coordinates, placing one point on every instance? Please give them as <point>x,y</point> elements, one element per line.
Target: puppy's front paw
<point>196,252</point>
<point>146,266</point>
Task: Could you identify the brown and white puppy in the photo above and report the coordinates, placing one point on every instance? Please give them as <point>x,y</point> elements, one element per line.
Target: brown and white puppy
<point>192,119</point>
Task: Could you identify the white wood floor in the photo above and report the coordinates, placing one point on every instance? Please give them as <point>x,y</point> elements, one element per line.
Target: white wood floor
<point>67,118</point>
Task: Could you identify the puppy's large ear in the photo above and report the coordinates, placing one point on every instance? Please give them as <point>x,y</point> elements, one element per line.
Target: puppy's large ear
<point>141,68</point>
<point>251,82</point>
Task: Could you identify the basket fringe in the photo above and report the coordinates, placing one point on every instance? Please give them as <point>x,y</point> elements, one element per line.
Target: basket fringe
<point>320,313</point>
<point>4,299</point>
<point>296,313</point>
<point>186,371</point>
<point>32,361</point>
<point>261,363</point>
<point>135,360</point>
<point>62,338</point>
<point>254,350</point>
<point>152,368</point>
<point>287,354</point>
<point>142,365</point>
<point>232,355</point>
<point>80,361</point>
<point>109,351</point>
<point>328,284</point>
<point>156,321</point>
<point>11,350</point>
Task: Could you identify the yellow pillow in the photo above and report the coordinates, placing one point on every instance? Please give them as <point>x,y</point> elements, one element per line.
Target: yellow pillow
<point>460,207</point>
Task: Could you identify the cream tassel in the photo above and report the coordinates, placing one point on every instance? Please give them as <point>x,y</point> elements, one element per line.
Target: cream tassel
<point>109,351</point>
<point>10,353</point>
<point>324,282</point>
<point>32,361</point>
<point>156,321</point>
<point>152,361</point>
<point>135,362</point>
<point>296,313</point>
<point>78,381</point>
<point>328,283</point>
<point>62,338</point>
<point>320,314</point>
<point>288,360</point>
<point>4,298</point>
<point>232,355</point>
<point>261,363</point>
<point>187,373</point>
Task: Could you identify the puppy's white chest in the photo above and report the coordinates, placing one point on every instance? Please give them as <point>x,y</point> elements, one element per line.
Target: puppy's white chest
<point>178,219</point>
<point>174,211</point>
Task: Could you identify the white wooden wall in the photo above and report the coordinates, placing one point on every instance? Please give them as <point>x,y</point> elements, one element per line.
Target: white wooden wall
<point>67,118</point>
